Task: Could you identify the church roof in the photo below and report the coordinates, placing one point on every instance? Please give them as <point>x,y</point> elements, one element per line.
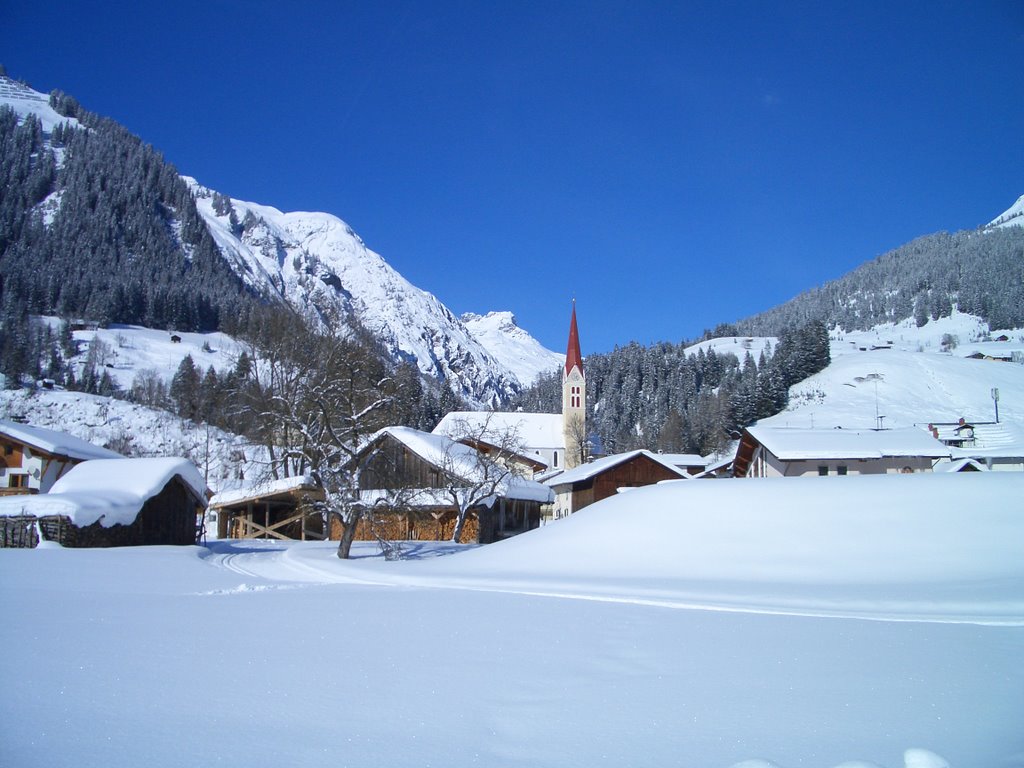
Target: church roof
<point>573,359</point>
<point>536,431</point>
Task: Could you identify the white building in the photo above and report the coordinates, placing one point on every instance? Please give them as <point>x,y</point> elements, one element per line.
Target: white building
<point>557,439</point>
<point>786,452</point>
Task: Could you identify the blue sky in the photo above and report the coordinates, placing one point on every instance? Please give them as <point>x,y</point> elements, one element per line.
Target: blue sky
<point>671,165</point>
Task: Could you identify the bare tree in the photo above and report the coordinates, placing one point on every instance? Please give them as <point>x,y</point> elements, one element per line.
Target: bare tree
<point>480,463</point>
<point>313,397</point>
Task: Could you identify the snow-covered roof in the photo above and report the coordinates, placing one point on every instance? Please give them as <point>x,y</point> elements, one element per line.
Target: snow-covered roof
<point>112,491</point>
<point>535,431</point>
<point>594,468</point>
<point>684,459</point>
<point>262,490</point>
<point>990,440</point>
<point>463,461</point>
<point>55,443</point>
<point>715,466</point>
<point>959,465</point>
<point>794,444</point>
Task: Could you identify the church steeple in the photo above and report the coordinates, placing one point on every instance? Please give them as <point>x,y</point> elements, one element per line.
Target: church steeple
<point>573,359</point>
<point>574,398</point>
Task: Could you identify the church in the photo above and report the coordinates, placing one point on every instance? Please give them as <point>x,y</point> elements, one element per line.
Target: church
<point>557,439</point>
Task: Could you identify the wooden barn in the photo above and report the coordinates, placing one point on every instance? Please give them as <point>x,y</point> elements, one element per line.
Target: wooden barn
<point>35,458</point>
<point>583,485</point>
<point>410,482</point>
<point>111,503</point>
<point>279,509</point>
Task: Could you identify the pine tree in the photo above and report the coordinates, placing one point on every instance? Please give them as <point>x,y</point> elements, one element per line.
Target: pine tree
<point>185,389</point>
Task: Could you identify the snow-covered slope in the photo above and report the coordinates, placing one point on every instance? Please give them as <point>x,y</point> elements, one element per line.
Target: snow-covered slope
<point>26,101</point>
<point>1011,217</point>
<point>735,345</point>
<point>125,351</point>
<point>902,373</point>
<point>315,262</point>
<point>226,461</point>
<point>511,346</point>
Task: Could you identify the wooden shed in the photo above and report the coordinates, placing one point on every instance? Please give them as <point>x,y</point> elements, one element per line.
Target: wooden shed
<point>111,503</point>
<point>278,509</point>
<point>588,483</point>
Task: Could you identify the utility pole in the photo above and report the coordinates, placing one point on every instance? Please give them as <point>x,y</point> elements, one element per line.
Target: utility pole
<point>995,399</point>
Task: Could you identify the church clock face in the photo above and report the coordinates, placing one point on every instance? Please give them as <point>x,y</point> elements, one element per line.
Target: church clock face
<point>575,376</point>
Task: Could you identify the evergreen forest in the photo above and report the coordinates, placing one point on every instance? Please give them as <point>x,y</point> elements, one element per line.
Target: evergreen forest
<point>659,397</point>
<point>110,232</point>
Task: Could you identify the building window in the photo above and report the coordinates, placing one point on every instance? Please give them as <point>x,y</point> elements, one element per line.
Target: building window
<point>574,397</point>
<point>18,481</point>
<point>841,469</point>
<point>555,462</point>
<point>822,471</point>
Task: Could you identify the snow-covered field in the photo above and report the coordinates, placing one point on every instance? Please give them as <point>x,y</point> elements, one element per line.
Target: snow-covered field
<point>876,622</point>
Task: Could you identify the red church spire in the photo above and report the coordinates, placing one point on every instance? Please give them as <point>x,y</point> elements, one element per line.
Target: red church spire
<point>572,354</point>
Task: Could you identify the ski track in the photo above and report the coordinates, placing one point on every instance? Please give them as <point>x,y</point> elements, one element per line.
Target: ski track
<point>286,570</point>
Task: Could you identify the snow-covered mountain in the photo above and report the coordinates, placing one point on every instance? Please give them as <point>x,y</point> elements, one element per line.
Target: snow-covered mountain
<point>1011,217</point>
<point>316,263</point>
<point>513,347</point>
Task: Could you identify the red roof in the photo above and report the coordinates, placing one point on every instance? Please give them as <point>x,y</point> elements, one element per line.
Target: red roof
<point>573,359</point>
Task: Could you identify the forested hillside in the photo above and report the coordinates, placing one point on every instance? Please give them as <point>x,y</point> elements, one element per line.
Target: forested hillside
<point>94,223</point>
<point>980,271</point>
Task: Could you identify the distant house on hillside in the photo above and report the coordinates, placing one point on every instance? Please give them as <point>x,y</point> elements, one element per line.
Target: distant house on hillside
<point>111,503</point>
<point>996,445</point>
<point>956,435</point>
<point>999,357</point>
<point>588,483</point>
<point>785,452</point>
<point>412,483</point>
<point>35,458</point>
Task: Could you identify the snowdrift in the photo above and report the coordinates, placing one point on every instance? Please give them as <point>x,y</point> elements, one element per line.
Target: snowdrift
<point>930,546</point>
